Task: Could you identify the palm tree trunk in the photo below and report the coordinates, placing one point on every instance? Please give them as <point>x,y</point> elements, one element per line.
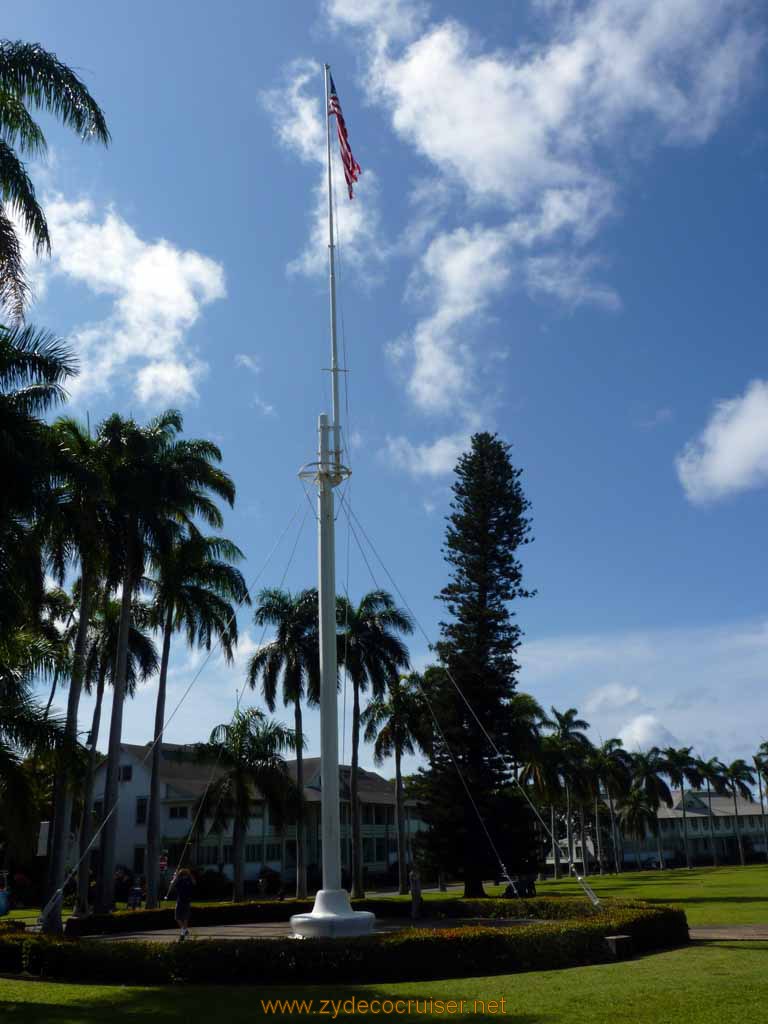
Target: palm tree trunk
<point>62,812</point>
<point>402,873</point>
<point>598,837</point>
<point>685,823</point>
<point>584,850</point>
<point>109,832</point>
<point>57,672</point>
<point>238,858</point>
<point>86,821</point>
<point>659,845</point>
<point>569,826</point>
<point>555,844</point>
<point>712,826</point>
<point>736,826</point>
<point>614,843</point>
<point>354,809</point>
<point>301,862</point>
<point>762,810</point>
<point>637,854</point>
<point>152,865</point>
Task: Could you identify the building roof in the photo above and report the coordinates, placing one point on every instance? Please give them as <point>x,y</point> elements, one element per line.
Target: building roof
<point>696,805</point>
<point>189,779</point>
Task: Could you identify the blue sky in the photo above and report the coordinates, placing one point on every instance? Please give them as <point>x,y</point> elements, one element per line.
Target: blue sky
<point>557,235</point>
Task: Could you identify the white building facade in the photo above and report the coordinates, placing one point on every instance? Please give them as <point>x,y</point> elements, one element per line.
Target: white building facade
<point>267,846</point>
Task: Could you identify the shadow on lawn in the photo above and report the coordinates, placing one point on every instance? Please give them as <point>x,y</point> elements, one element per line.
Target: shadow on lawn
<point>177,1004</point>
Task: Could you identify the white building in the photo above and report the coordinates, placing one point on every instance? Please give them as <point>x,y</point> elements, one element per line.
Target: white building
<point>183,783</point>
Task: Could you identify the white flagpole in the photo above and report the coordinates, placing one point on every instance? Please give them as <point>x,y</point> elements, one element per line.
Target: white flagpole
<point>332,282</point>
<point>332,913</point>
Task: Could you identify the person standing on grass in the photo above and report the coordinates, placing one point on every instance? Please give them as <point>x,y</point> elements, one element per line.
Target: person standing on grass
<point>184,884</point>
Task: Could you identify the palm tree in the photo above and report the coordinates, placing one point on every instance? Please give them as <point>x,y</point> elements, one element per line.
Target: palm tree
<point>75,528</point>
<point>610,768</point>
<point>372,653</point>
<point>544,772</point>
<point>637,814</point>
<point>143,663</point>
<point>760,761</point>
<point>34,367</point>
<point>648,770</point>
<point>248,753</point>
<point>568,731</point>
<point>738,777</point>
<point>32,77</point>
<point>24,726</point>
<point>294,656</point>
<point>395,724</point>
<point>680,766</point>
<point>194,587</point>
<point>711,772</point>
<point>155,480</point>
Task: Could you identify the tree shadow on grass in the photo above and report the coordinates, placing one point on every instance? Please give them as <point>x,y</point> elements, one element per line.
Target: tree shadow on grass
<point>182,1004</point>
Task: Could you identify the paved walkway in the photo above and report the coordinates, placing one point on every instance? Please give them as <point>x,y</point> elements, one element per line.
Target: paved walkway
<point>282,929</point>
<point>727,933</point>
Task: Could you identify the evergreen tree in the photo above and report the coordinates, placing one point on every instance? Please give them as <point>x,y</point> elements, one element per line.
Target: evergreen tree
<point>487,526</point>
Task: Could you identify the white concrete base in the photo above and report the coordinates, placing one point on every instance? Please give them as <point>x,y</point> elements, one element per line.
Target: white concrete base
<point>332,917</point>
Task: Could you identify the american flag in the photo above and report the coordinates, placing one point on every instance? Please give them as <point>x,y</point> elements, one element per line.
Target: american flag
<point>351,166</point>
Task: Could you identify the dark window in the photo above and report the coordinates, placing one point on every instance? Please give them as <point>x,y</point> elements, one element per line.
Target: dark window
<point>138,860</point>
<point>125,772</point>
<point>227,854</point>
<point>344,813</point>
<point>98,809</point>
<point>369,850</point>
<point>141,810</point>
<point>290,853</point>
<point>380,814</point>
<point>367,814</point>
<point>273,851</point>
<point>208,855</point>
<point>381,849</point>
<point>179,812</point>
<point>253,853</point>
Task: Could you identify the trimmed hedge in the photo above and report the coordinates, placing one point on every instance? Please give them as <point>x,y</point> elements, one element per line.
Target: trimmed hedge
<point>408,955</point>
<point>263,911</point>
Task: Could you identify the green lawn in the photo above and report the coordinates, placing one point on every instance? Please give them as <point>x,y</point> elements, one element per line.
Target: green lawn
<point>709,983</point>
<point>709,896</point>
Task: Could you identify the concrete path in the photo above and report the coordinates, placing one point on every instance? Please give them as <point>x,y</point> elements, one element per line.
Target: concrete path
<point>282,930</point>
<point>728,933</point>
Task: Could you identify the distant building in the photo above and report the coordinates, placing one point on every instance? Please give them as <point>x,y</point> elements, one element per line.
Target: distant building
<point>183,783</point>
<point>752,826</point>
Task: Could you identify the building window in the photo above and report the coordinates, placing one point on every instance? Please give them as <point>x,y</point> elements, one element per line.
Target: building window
<point>179,812</point>
<point>380,814</point>
<point>125,773</point>
<point>141,810</point>
<point>717,824</point>
<point>381,848</point>
<point>253,853</point>
<point>98,809</point>
<point>726,822</point>
<point>368,814</point>
<point>227,854</point>
<point>695,824</point>
<point>138,860</point>
<point>344,813</point>
<point>273,851</point>
<point>369,850</point>
<point>208,855</point>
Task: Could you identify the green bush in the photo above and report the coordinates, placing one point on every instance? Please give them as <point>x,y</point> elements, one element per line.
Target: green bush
<point>12,924</point>
<point>11,952</point>
<point>408,955</point>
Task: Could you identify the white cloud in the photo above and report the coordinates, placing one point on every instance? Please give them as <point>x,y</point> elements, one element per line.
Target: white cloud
<point>646,731</point>
<point>731,454</point>
<point>265,408</point>
<point>158,293</point>
<point>610,697</point>
<point>532,133</point>
<point>435,459</point>
<point>679,675</point>
<point>247,362</point>
<point>566,277</point>
<point>301,127</point>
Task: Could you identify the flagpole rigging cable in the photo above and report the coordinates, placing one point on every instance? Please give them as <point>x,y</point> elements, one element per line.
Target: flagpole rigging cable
<point>587,889</point>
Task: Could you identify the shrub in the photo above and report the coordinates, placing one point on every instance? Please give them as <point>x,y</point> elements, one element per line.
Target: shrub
<point>408,955</point>
<point>11,952</point>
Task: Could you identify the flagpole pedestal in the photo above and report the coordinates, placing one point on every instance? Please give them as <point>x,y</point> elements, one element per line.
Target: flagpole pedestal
<point>332,918</point>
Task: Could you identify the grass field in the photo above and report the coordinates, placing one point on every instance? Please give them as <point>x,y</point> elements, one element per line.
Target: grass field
<point>708,983</point>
